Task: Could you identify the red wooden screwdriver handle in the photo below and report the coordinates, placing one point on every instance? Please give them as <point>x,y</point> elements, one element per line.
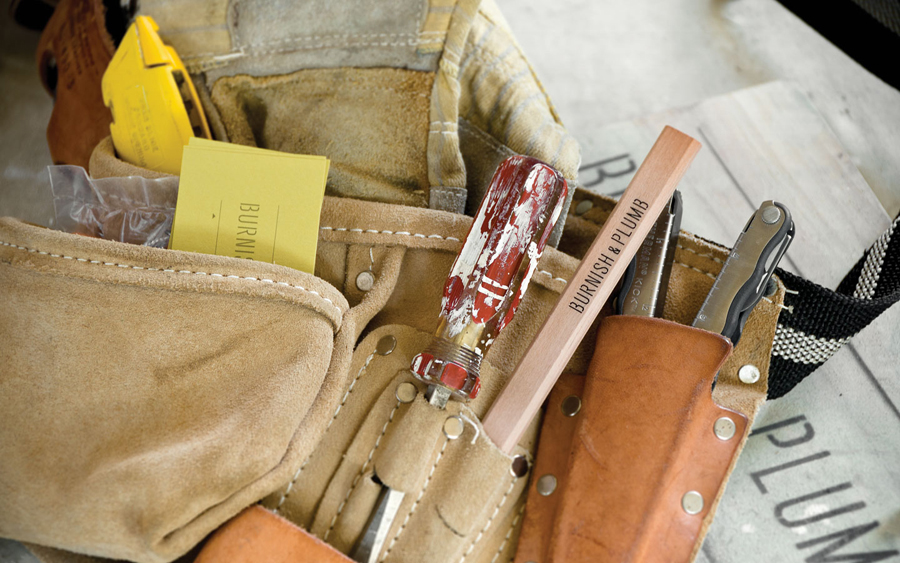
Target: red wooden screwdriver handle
<point>492,271</point>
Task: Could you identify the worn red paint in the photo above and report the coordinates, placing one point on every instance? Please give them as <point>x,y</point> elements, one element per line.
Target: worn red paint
<point>500,253</point>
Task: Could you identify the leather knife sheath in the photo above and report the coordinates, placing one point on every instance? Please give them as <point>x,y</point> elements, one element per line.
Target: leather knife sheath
<point>257,535</point>
<point>638,455</point>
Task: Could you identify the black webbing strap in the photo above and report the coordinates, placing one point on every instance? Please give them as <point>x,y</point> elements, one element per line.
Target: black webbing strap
<point>820,321</point>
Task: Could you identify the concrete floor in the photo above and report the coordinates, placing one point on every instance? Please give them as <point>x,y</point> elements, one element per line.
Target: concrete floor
<point>602,63</point>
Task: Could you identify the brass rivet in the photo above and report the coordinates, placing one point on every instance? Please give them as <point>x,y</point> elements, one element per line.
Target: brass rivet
<point>724,428</point>
<point>453,427</point>
<point>583,206</point>
<point>406,392</point>
<point>692,502</point>
<point>749,374</point>
<point>519,467</point>
<point>365,281</point>
<point>386,345</point>
<point>570,405</point>
<point>546,485</point>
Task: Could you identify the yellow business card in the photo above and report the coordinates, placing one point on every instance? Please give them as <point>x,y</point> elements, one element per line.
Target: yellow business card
<point>249,203</point>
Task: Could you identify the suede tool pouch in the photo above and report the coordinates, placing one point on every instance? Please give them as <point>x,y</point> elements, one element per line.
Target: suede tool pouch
<point>461,495</point>
<point>148,395</point>
<point>209,383</point>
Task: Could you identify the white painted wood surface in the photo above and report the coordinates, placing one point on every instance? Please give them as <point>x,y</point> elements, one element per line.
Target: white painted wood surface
<point>616,60</point>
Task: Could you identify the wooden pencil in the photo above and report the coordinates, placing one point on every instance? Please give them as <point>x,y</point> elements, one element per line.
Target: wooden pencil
<point>593,282</point>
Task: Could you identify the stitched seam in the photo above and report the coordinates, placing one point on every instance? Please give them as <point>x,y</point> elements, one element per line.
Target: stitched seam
<point>554,278</point>
<point>362,471</point>
<point>311,88</point>
<point>386,232</point>
<point>418,235</point>
<point>415,504</point>
<point>696,269</point>
<point>714,277</point>
<point>512,485</point>
<point>509,533</point>
<point>290,486</point>
<point>335,46</point>
<point>714,258</point>
<point>493,142</point>
<point>430,36</point>
<point>333,36</point>
<point>148,269</point>
<point>598,221</point>
<point>330,422</point>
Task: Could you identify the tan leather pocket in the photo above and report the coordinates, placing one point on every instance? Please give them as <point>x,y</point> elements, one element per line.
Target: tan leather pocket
<point>461,498</point>
<point>345,113</point>
<point>148,395</point>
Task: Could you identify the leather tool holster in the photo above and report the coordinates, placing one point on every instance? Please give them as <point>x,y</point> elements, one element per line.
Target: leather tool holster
<point>72,56</point>
<point>634,475</point>
<point>257,534</point>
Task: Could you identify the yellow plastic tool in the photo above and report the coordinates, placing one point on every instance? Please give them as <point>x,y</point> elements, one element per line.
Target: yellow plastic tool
<point>154,104</point>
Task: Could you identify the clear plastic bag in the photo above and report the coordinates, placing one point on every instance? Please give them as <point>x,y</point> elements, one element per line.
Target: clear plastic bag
<point>127,209</point>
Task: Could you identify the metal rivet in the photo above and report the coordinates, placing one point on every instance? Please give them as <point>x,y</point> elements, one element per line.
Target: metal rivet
<point>386,345</point>
<point>583,206</point>
<point>519,467</point>
<point>546,485</point>
<point>365,281</point>
<point>453,427</point>
<point>771,287</point>
<point>692,502</point>
<point>749,374</point>
<point>570,405</point>
<point>771,215</point>
<point>724,428</point>
<point>406,392</point>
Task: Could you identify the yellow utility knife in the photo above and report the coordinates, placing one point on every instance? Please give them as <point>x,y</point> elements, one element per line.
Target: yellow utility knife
<point>153,102</point>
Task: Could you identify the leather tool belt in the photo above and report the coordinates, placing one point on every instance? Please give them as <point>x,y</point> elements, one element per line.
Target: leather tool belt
<point>150,396</point>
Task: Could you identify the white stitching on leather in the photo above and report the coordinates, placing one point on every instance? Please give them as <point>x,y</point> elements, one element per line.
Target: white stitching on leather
<point>418,235</point>
<point>714,258</point>
<point>789,309</point>
<point>415,504</point>
<point>386,232</point>
<point>330,422</point>
<point>546,273</point>
<point>362,471</point>
<point>696,269</point>
<point>410,43</point>
<point>512,485</point>
<point>512,527</point>
<point>231,276</point>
